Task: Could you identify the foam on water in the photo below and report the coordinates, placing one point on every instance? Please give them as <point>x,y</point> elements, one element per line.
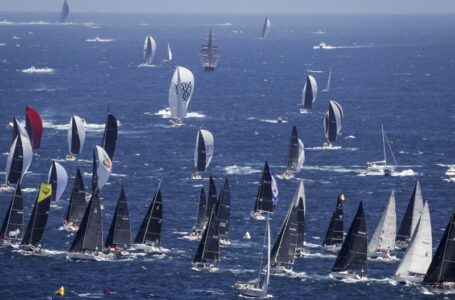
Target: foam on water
<point>144,65</point>
<point>165,113</point>
<point>34,70</point>
<point>240,170</point>
<point>99,40</point>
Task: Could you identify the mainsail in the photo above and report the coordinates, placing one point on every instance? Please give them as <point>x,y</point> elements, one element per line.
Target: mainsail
<point>39,216</point>
<point>89,237</point>
<point>209,246</point>
<point>34,126</point>
<point>411,216</point>
<point>110,136</point>
<point>383,238</point>
<point>334,235</point>
<point>104,167</point>
<point>120,230</point>
<point>211,197</point>
<point>169,53</point>
<point>299,202</point>
<point>13,224</point>
<point>210,54</point>
<point>150,230</point>
<point>64,12</point>
<point>76,135</point>
<point>333,121</point>
<point>19,159</point>
<point>203,151</point>
<point>180,92</point>
<point>18,128</point>
<point>353,253</point>
<point>309,93</point>
<point>76,207</point>
<point>223,209</point>
<point>149,49</point>
<point>327,88</point>
<point>417,257</point>
<point>58,178</point>
<point>442,267</point>
<point>296,154</point>
<point>264,196</point>
<point>266,28</point>
<point>202,211</point>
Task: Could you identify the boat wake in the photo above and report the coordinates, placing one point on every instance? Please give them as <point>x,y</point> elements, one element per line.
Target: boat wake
<point>34,70</point>
<point>331,148</point>
<point>408,172</point>
<point>240,170</point>
<point>336,169</point>
<point>143,65</point>
<point>389,259</point>
<point>89,127</point>
<point>99,40</point>
<point>318,255</point>
<point>165,113</point>
<point>6,188</point>
<point>29,190</point>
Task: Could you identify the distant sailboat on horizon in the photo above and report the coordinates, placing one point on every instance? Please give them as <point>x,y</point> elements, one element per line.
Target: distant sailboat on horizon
<point>149,50</point>
<point>309,93</point>
<point>327,88</point>
<point>64,13</point>
<point>210,54</point>
<point>266,28</point>
<point>169,54</point>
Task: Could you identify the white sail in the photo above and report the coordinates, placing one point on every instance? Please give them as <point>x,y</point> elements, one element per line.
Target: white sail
<point>62,179</point>
<point>169,53</point>
<point>180,92</point>
<point>327,88</point>
<point>27,155</point>
<point>300,193</point>
<point>418,255</point>
<point>104,167</point>
<point>384,235</point>
<point>314,89</point>
<point>21,127</point>
<point>79,131</point>
<point>301,159</point>
<point>149,49</point>
<point>418,207</point>
<point>207,136</point>
<point>266,28</point>
<point>265,284</point>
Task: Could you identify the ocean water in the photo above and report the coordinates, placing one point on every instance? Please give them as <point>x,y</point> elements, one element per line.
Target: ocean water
<point>394,70</point>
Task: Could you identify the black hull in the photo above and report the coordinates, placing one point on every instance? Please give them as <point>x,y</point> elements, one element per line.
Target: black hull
<point>209,69</point>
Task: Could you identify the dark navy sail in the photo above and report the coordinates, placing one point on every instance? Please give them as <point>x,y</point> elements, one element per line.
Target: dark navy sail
<point>411,216</point>
<point>94,172</point>
<point>65,12</point>
<point>120,230</point>
<point>211,197</point>
<point>39,216</point>
<point>76,207</point>
<point>17,162</point>
<point>150,230</point>
<point>110,136</point>
<point>75,139</point>
<point>308,94</point>
<point>300,223</point>
<point>13,224</point>
<point>202,211</point>
<point>293,156</point>
<point>442,267</point>
<point>353,253</point>
<point>209,246</point>
<point>89,237</point>
<point>334,235</point>
<point>264,197</point>
<point>201,155</point>
<point>223,209</point>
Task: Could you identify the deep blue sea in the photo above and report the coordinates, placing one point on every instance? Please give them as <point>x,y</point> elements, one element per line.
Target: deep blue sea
<point>396,70</point>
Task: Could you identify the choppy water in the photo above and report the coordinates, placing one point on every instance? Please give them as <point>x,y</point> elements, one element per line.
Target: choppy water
<point>391,70</point>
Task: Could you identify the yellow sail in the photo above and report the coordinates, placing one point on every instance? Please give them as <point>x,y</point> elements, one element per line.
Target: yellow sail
<point>45,191</point>
<point>60,292</point>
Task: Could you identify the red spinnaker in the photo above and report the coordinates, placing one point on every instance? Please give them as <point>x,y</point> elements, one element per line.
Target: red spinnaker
<point>34,126</point>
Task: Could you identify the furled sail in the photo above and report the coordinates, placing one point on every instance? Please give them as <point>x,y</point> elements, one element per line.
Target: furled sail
<point>150,230</point>
<point>58,178</point>
<point>383,238</point>
<point>34,126</point>
<point>203,151</point>
<point>120,230</point>
<point>266,28</point>
<point>76,135</point>
<point>149,49</point>
<point>411,216</point>
<point>335,232</point>
<point>77,205</point>
<point>309,93</point>
<point>180,92</point>
<point>110,136</point>
<point>19,159</point>
<point>64,12</point>
<point>13,223</point>
<point>333,121</point>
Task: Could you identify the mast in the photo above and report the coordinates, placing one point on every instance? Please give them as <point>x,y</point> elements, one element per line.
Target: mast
<point>383,144</point>
<point>120,230</point>
<point>223,209</point>
<point>13,223</point>
<point>150,230</point>
<point>76,207</point>
<point>264,196</point>
<point>300,223</point>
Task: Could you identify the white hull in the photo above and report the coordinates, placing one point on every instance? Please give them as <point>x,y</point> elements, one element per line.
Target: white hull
<point>224,242</point>
<point>70,227</point>
<point>249,290</point>
<point>380,254</point>
<point>149,248</point>
<point>76,256</point>
<point>257,216</point>
<point>280,270</point>
<point>205,267</point>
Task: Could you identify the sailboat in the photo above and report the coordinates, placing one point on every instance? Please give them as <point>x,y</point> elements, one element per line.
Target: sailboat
<point>382,166</point>
<point>102,168</point>
<point>149,50</point>
<point>299,202</point>
<point>264,197</point>
<point>266,28</point>
<point>76,206</point>
<point>119,235</point>
<point>327,88</point>
<point>411,217</point>
<point>207,255</point>
<point>201,217</point>
<point>19,128</point>
<point>203,152</point>
<point>180,92</point>
<point>283,250</point>
<point>169,54</point>
<point>335,233</point>
<point>109,141</point>
<point>351,261</point>
<point>418,255</point>
<point>253,288</point>
<point>64,12</point>
<point>296,155</point>
<point>76,137</point>
<point>34,127</point>
<point>309,93</point>
<point>382,242</point>
<point>223,212</point>
<point>148,237</point>
<point>440,275</point>
<point>210,54</point>
<point>58,178</point>
<point>19,160</point>
<point>333,121</point>
<point>13,223</point>
<point>88,242</point>
<point>212,199</point>
<point>38,219</point>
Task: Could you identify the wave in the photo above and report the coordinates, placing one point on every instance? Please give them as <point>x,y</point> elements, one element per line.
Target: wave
<point>273,121</point>
<point>2,44</point>
<point>314,71</point>
<point>89,127</point>
<point>33,70</point>
<point>408,172</point>
<point>336,169</point>
<point>14,37</point>
<point>240,170</point>
<point>118,175</point>
<point>331,148</point>
<point>29,190</point>
<point>165,113</point>
<point>31,23</point>
<point>6,188</point>
<point>99,40</point>
<point>224,24</point>
<point>144,65</point>
<point>318,255</point>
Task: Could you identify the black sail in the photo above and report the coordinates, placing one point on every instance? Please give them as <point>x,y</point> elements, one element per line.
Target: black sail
<point>211,197</point>
<point>39,216</point>
<point>201,153</point>
<point>334,235</point>
<point>94,172</point>
<point>120,230</point>
<point>89,237</point>
<point>13,224</point>
<point>64,12</point>
<point>331,125</point>
<point>308,100</point>
<point>110,136</point>
<point>16,129</point>
<point>300,223</point>
<point>293,156</point>
<point>15,172</point>
<point>150,230</point>
<point>404,231</point>
<point>202,211</point>
<point>53,180</point>
<point>209,246</point>
<point>75,139</point>
<point>353,253</point>
<point>223,209</point>
<point>442,267</point>
<point>283,250</point>
<point>264,197</point>
<point>76,207</point>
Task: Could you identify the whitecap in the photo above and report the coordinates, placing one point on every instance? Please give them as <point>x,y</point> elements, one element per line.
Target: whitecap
<point>99,40</point>
<point>29,190</point>
<point>143,65</point>
<point>273,121</point>
<point>240,170</point>
<point>408,172</point>
<point>16,38</point>
<point>34,70</point>
<point>2,44</point>
<point>165,113</point>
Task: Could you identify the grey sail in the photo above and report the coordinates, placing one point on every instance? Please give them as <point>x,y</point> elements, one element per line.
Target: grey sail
<point>13,223</point>
<point>266,28</point>
<point>211,197</point>
<point>120,230</point>
<point>150,230</point>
